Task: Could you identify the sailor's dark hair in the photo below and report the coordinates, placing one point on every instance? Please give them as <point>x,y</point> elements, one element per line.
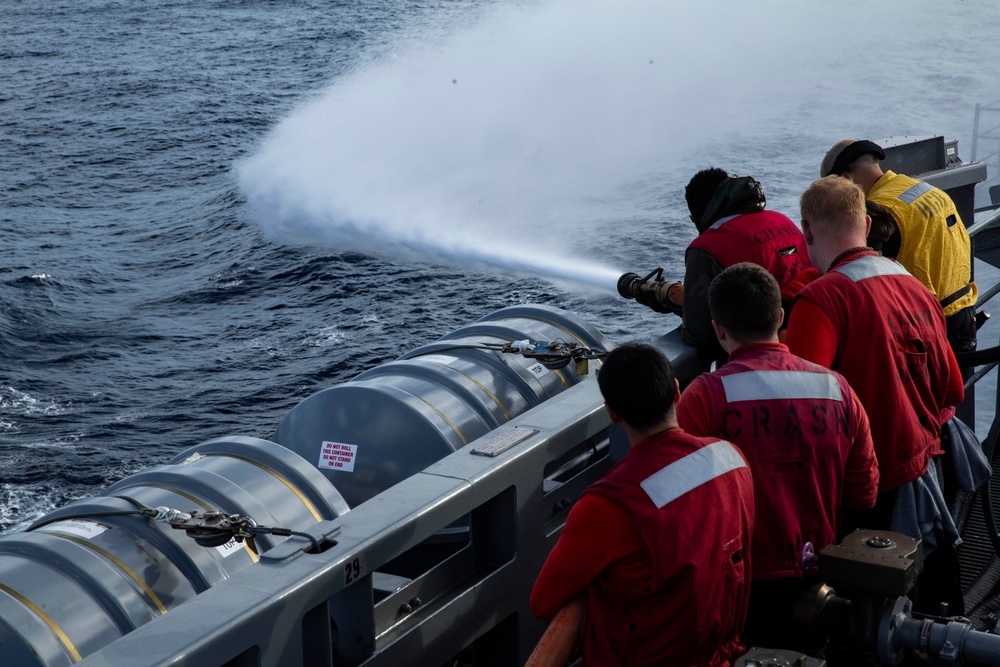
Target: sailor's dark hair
<point>637,382</point>
<point>746,300</point>
<point>700,189</point>
<point>884,227</point>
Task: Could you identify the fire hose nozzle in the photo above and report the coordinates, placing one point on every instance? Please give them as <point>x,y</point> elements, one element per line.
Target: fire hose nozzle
<point>628,285</point>
<point>653,291</point>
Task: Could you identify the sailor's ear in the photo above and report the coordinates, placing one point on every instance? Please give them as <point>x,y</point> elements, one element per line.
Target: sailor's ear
<point>615,419</point>
<point>720,333</point>
<point>807,232</point>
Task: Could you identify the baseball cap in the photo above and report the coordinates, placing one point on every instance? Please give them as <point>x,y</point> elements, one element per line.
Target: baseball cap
<point>843,154</point>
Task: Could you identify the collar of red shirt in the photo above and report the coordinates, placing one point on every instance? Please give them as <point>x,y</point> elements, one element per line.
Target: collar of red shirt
<point>751,347</point>
<point>850,255</point>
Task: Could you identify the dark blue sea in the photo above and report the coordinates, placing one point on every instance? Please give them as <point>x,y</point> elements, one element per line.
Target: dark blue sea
<point>212,209</point>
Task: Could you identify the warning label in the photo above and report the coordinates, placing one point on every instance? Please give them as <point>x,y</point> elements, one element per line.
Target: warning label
<point>87,529</point>
<point>337,456</point>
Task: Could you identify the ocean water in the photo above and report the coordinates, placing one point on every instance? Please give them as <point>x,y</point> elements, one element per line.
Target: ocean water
<point>211,209</point>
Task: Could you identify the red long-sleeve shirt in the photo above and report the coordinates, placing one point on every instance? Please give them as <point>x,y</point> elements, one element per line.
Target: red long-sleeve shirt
<point>666,582</point>
<point>598,536</point>
<point>884,331</point>
<point>806,437</point>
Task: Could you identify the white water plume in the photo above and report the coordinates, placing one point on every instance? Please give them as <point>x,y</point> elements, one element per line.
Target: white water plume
<point>500,142</point>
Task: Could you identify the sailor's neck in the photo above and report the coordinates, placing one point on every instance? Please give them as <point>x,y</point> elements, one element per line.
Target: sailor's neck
<point>836,254</point>
<point>846,254</point>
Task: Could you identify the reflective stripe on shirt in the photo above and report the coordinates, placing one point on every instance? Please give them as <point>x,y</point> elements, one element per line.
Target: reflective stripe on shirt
<point>765,385</point>
<point>916,190</point>
<point>692,471</point>
<point>871,266</point>
<point>721,221</point>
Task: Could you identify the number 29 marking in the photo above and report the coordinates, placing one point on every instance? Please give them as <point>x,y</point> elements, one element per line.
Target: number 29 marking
<point>352,570</point>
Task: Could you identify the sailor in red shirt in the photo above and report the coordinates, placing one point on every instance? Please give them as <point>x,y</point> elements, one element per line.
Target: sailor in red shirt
<point>660,545</point>
<point>873,322</point>
<point>733,226</point>
<point>803,432</point>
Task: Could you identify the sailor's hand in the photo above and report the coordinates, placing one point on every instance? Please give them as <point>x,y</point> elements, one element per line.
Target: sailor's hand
<point>675,293</point>
<point>668,296</point>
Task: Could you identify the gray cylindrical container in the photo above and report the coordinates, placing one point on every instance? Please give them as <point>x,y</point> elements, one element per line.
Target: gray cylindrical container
<point>90,572</point>
<point>394,420</point>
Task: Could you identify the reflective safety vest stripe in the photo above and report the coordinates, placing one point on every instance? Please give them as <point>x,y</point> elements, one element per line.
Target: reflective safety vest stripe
<point>790,385</point>
<point>721,221</point>
<point>872,267</point>
<point>917,189</point>
<point>691,471</point>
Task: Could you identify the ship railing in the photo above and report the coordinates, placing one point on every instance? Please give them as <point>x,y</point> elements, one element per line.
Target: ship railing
<point>409,577</point>
<point>985,238</point>
<point>975,513</point>
<point>986,131</point>
<point>980,554</point>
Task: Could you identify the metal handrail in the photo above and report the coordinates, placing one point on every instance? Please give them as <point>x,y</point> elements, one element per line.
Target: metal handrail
<point>983,225</point>
<point>420,620</point>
